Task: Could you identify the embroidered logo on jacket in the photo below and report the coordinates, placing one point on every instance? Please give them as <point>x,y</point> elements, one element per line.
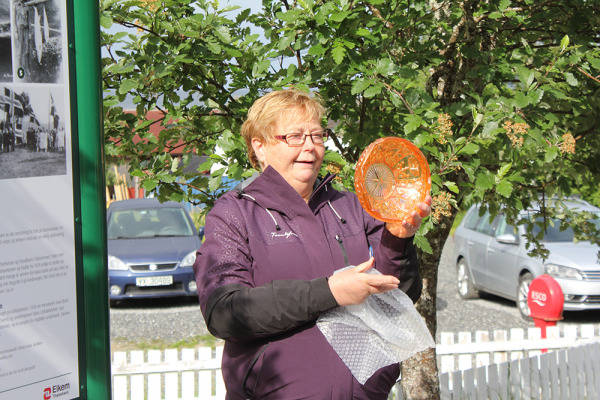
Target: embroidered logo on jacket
<point>285,234</point>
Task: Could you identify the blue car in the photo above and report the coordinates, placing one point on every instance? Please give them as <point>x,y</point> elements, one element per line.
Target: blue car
<point>151,249</point>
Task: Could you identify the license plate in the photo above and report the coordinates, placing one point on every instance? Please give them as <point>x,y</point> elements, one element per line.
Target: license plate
<point>154,281</point>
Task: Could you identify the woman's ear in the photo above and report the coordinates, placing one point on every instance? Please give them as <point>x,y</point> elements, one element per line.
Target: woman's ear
<point>259,149</point>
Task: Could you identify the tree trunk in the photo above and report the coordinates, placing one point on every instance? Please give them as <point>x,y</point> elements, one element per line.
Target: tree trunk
<point>419,373</point>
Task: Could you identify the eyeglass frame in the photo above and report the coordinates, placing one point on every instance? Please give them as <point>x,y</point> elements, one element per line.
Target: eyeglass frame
<point>324,135</point>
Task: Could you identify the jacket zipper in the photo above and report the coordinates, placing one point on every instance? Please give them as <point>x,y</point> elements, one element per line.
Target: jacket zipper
<point>341,243</point>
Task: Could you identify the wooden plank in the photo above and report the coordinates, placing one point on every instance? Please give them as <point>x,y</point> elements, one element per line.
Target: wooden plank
<point>468,391</point>
<point>514,378</point>
<point>534,371</point>
<point>138,389</point>
<point>589,380</point>
<point>554,375</point>
<point>482,383</point>
<point>524,367</point>
<point>120,387</point>
<point>155,387</point>
<point>544,361</point>
<point>457,385</point>
<point>572,370</point>
<point>563,372</point>
<point>503,380</point>
<point>493,384</point>
<point>172,385</point>
<point>500,336</point>
<point>595,352</point>
<point>445,393</point>
<point>580,354</point>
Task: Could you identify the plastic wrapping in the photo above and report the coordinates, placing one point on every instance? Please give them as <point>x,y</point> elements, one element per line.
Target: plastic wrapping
<point>384,330</point>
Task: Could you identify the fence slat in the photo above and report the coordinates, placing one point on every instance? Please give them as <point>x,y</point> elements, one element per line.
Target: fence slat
<point>563,373</point>
<point>154,386</point>
<point>573,371</point>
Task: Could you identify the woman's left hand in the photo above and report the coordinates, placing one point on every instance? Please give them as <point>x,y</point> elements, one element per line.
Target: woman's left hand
<point>410,225</point>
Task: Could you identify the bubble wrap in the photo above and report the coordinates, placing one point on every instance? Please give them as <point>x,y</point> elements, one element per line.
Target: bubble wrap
<point>384,330</point>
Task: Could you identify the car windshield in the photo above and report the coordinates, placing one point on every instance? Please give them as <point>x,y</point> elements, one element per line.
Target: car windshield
<point>151,222</point>
<point>553,233</point>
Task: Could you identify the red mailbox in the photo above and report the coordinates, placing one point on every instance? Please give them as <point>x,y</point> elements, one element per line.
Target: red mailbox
<point>545,300</point>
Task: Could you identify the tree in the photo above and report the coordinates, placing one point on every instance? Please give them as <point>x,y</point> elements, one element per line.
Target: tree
<point>501,96</point>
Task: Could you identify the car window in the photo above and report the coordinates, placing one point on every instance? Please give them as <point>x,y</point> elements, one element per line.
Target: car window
<point>152,222</point>
<point>552,232</point>
<point>504,227</point>
<point>484,225</point>
<point>472,218</point>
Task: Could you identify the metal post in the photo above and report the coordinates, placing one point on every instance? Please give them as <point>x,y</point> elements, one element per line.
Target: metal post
<point>86,28</point>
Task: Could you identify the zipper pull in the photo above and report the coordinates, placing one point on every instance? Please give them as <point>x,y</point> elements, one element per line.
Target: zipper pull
<point>339,239</point>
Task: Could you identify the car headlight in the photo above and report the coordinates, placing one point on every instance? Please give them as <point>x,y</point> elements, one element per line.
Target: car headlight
<point>115,263</point>
<point>188,260</point>
<point>560,271</point>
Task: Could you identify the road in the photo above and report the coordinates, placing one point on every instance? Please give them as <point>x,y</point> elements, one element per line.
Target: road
<point>170,321</point>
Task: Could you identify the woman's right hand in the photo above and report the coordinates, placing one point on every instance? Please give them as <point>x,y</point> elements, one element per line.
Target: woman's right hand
<point>354,285</point>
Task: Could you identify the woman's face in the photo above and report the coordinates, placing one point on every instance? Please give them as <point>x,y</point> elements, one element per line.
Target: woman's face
<point>299,166</point>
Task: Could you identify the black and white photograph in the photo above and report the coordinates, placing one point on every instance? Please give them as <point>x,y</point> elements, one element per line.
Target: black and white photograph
<point>37,41</point>
<point>32,132</point>
<point>6,74</point>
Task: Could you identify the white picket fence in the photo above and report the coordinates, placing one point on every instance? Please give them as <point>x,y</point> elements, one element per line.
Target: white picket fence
<point>510,364</point>
<point>498,367</point>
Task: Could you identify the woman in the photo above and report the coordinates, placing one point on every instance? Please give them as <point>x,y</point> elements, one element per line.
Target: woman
<point>266,269</point>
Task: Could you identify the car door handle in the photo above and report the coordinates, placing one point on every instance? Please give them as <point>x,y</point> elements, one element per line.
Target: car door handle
<point>491,250</point>
<point>469,243</point>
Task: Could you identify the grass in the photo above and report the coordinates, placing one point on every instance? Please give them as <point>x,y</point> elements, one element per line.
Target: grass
<point>122,344</point>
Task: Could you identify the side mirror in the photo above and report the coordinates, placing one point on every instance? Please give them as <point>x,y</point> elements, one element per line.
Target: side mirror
<point>507,238</point>
<point>201,232</point>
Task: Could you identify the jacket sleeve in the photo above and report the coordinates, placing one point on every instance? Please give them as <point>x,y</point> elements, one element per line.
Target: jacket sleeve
<point>232,306</point>
<point>395,256</point>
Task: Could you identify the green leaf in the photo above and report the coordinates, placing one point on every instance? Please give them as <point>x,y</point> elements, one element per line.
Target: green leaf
<point>551,154</point>
<point>316,50</point>
<point>360,85</point>
<point>564,43</point>
<point>489,128</point>
<point>149,184</point>
<point>105,22</point>
<point>338,54</point>
<point>484,181</point>
<point>340,16</point>
<point>223,34</point>
<point>128,85</point>
<point>372,91</point>
<point>451,186</point>
<point>505,188</point>
<point>422,243</point>
<point>469,149</point>
<point>571,80</point>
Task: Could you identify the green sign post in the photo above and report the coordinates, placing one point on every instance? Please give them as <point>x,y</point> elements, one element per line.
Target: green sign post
<point>92,220</point>
<point>54,307</point>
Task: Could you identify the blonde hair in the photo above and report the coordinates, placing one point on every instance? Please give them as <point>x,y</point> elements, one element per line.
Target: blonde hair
<point>270,108</point>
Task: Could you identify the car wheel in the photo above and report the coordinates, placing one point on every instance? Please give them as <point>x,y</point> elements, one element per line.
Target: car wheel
<point>522,292</point>
<point>464,283</point>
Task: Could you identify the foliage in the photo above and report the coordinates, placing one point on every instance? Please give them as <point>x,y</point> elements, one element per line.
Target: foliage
<point>501,96</point>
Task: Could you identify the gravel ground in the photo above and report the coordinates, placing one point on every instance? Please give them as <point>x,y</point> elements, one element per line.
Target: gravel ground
<point>172,320</point>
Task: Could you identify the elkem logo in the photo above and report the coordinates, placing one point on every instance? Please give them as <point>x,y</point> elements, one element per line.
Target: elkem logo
<point>47,394</point>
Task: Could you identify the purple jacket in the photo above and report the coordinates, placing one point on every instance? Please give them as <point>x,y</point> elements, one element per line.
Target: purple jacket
<point>262,283</point>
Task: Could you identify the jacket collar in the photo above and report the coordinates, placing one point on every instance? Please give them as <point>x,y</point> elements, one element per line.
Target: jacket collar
<point>271,191</point>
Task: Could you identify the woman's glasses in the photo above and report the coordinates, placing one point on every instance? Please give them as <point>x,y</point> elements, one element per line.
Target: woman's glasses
<point>298,139</point>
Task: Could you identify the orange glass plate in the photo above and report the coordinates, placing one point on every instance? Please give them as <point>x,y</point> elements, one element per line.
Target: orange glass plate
<point>391,177</point>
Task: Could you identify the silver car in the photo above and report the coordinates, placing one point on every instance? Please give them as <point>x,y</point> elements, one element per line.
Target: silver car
<point>491,257</point>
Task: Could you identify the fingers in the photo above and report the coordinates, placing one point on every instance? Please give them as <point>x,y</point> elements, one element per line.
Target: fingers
<point>383,283</point>
<point>367,265</point>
